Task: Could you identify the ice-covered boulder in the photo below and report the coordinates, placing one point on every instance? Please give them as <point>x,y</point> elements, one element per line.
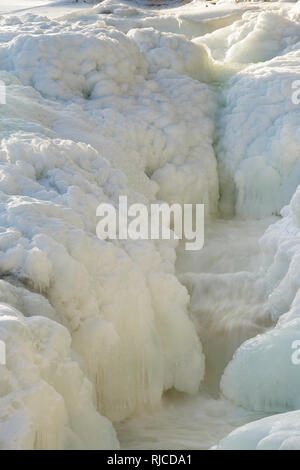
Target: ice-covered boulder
<point>279,432</point>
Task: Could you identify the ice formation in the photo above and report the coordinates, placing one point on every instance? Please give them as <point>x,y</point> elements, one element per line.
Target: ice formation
<point>270,378</point>
<point>184,105</point>
<point>260,171</point>
<point>279,432</point>
<point>80,97</point>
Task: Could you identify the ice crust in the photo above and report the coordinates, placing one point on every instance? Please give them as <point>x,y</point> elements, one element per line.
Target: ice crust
<point>181,105</point>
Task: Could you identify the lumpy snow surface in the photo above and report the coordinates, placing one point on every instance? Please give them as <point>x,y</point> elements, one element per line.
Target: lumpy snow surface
<point>189,104</point>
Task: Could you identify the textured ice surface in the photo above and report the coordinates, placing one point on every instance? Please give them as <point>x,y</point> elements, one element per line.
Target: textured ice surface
<point>87,120</point>
<point>259,170</point>
<point>157,105</point>
<point>278,432</point>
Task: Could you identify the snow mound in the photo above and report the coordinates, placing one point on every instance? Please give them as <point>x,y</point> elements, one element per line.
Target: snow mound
<point>105,64</point>
<point>90,117</point>
<point>174,52</point>
<point>115,95</point>
<point>256,37</point>
<point>260,170</point>
<point>104,293</point>
<point>40,385</point>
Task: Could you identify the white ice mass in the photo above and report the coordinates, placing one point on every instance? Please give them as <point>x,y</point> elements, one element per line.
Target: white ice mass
<point>186,104</point>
